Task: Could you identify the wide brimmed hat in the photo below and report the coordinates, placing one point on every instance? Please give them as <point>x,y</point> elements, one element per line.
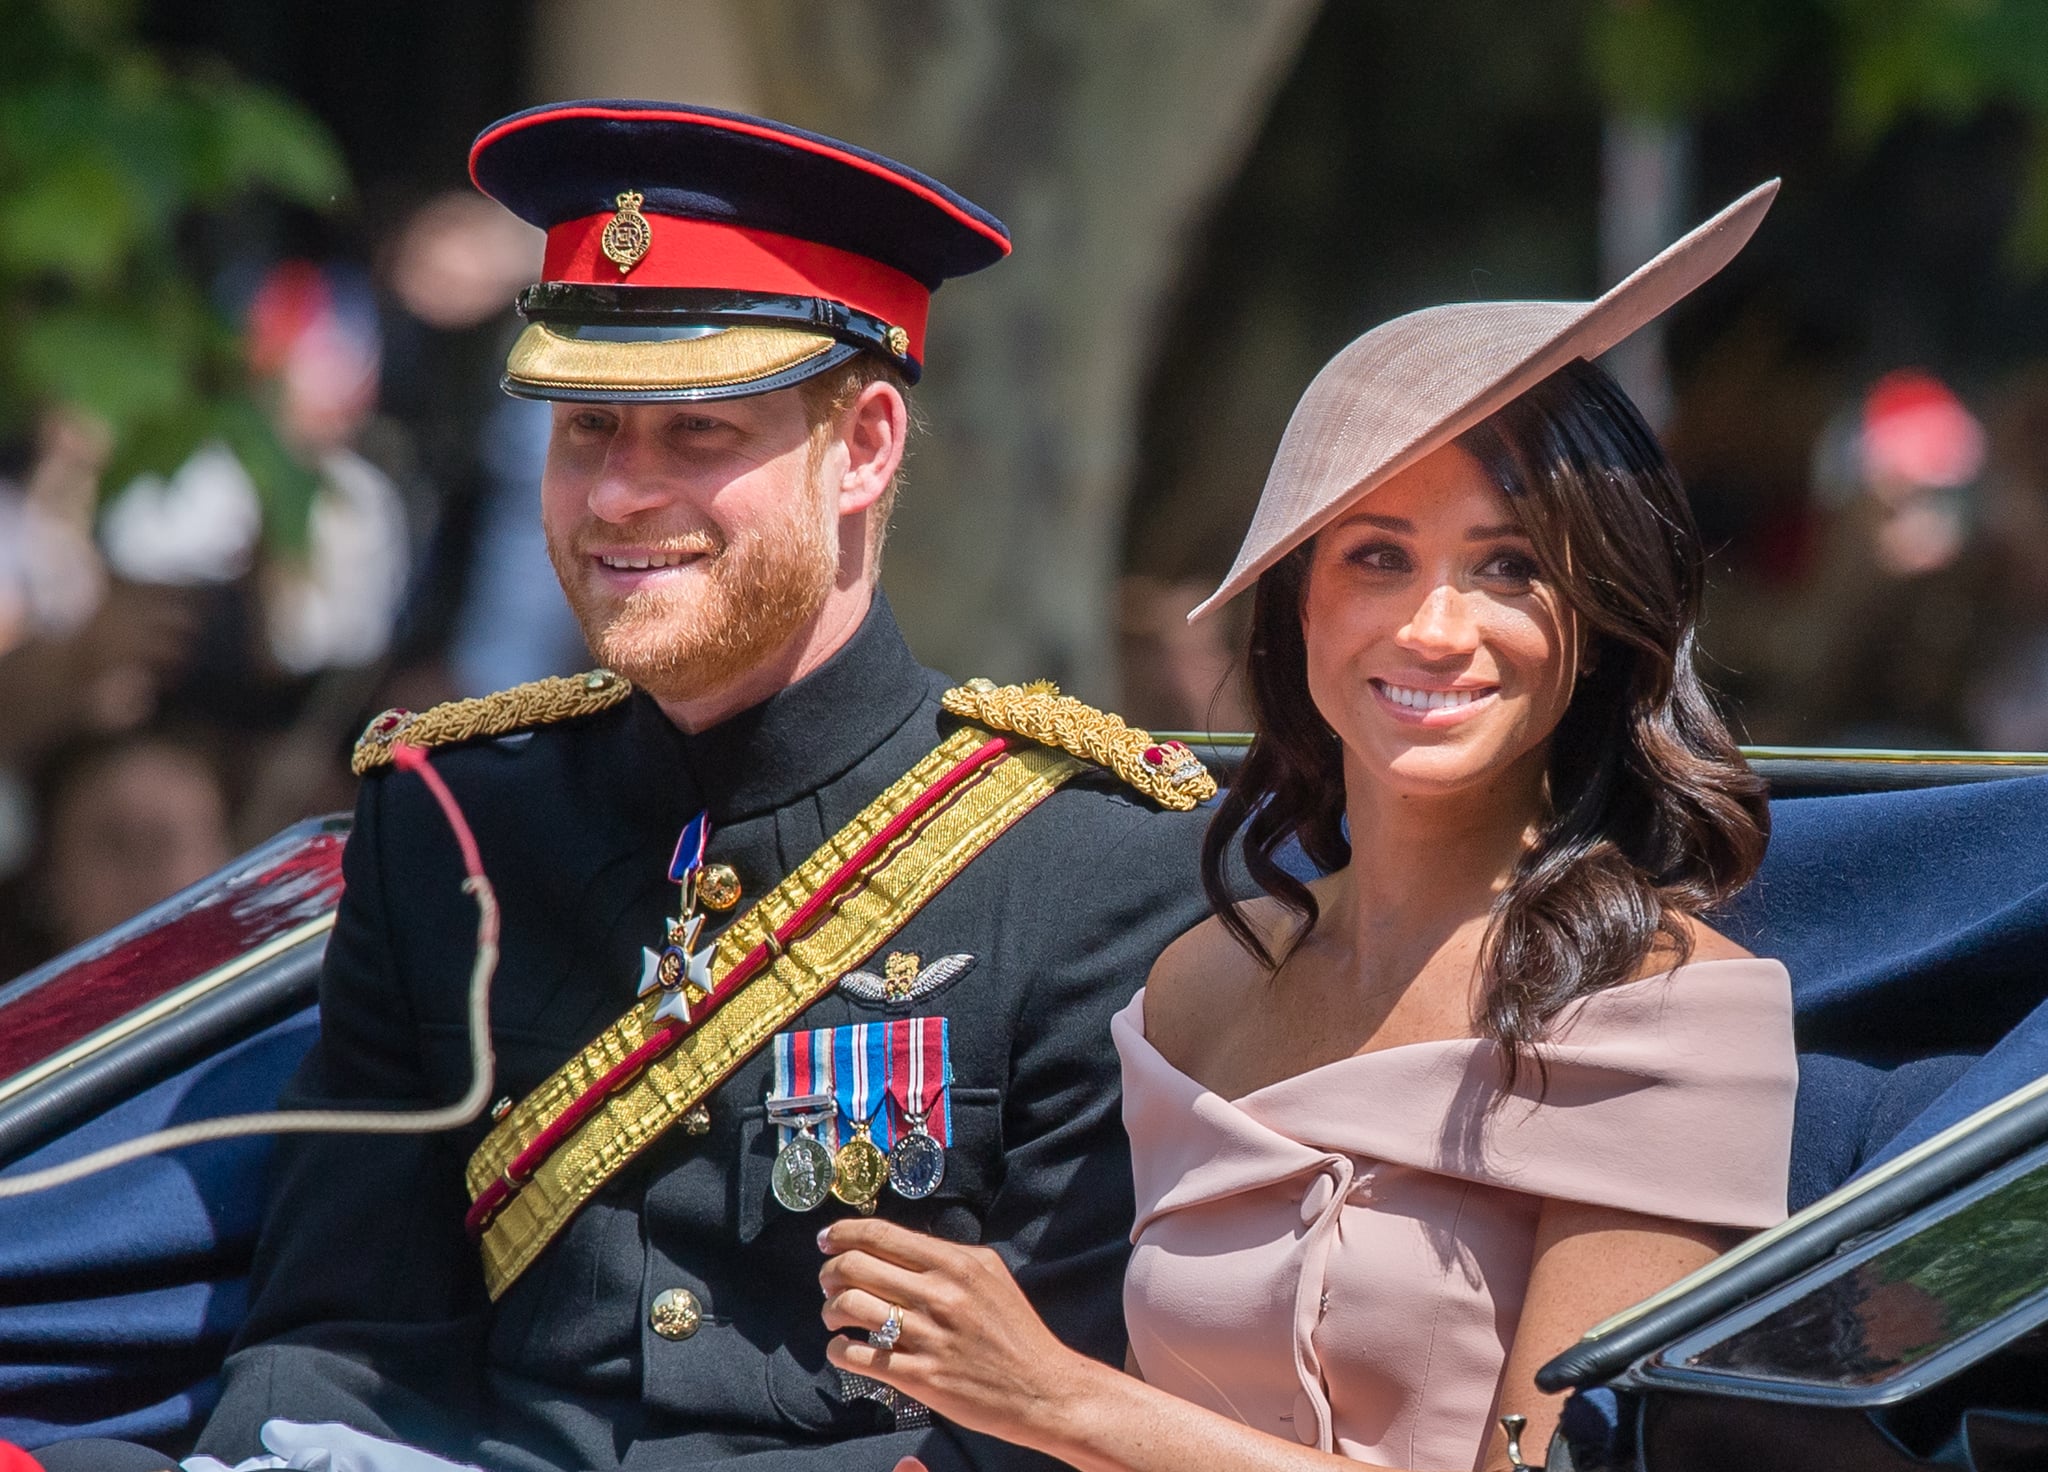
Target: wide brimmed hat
<point>700,254</point>
<point>1416,383</point>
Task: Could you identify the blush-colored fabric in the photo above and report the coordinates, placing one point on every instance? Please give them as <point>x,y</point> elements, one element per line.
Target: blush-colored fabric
<point>1341,1257</point>
<point>1416,383</point>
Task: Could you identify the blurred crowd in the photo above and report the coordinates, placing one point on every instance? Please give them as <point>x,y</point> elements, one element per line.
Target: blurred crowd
<point>175,686</point>
<point>1902,600</point>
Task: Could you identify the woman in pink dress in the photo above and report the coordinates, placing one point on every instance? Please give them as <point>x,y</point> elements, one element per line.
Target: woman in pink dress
<point>1401,1133</point>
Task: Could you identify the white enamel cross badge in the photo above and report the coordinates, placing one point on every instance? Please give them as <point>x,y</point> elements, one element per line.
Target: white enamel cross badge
<point>678,969</point>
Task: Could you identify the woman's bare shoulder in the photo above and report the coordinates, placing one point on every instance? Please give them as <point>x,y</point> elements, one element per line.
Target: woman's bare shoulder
<point>1704,944</point>
<point>1206,970</point>
<point>1709,944</point>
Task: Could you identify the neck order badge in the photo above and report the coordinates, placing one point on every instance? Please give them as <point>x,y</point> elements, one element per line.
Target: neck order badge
<point>680,971</point>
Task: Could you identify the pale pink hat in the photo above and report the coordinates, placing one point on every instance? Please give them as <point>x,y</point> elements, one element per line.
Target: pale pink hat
<point>1416,383</point>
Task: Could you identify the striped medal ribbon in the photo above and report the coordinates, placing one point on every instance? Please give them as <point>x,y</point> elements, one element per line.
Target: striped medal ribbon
<point>860,1070</point>
<point>920,1067</point>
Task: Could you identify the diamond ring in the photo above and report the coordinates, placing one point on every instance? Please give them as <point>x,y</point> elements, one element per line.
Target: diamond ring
<point>891,1330</point>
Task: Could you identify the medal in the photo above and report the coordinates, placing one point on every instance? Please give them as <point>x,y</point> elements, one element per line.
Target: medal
<point>920,1067</point>
<point>917,1162</point>
<point>679,969</point>
<point>803,1173</point>
<point>860,1066</point>
<point>858,1171</point>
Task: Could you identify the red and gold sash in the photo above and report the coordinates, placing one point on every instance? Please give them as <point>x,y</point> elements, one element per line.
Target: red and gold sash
<point>599,1110</point>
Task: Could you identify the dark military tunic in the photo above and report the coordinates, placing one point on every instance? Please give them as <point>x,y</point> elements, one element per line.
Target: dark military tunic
<point>368,1303</point>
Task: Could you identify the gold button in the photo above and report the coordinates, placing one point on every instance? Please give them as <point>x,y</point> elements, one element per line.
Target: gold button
<point>675,1313</point>
<point>718,886</point>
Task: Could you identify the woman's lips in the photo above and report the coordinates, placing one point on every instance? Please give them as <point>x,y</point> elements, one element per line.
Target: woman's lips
<point>1417,706</point>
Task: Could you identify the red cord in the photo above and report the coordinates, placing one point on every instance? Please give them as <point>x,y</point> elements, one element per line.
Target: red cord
<point>414,760</point>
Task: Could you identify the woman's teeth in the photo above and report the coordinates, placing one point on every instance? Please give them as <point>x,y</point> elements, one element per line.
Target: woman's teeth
<point>1429,699</point>
<point>636,564</point>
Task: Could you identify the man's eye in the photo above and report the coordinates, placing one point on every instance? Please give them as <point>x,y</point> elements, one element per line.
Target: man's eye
<point>590,422</point>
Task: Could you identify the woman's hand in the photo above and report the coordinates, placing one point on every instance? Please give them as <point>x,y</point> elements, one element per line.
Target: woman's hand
<point>969,1345</point>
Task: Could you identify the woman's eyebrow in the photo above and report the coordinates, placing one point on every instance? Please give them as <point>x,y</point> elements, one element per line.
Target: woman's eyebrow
<point>1495,532</point>
<point>1384,523</point>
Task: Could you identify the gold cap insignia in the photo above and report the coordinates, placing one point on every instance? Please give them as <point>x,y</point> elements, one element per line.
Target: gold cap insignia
<point>899,342</point>
<point>626,234</point>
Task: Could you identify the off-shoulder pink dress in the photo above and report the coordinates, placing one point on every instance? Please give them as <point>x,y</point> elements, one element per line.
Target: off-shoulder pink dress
<point>1341,1256</point>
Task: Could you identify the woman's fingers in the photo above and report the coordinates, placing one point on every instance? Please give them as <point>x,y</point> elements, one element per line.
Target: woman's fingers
<point>908,1464</point>
<point>884,1279</point>
<point>884,1239</point>
<point>856,1309</point>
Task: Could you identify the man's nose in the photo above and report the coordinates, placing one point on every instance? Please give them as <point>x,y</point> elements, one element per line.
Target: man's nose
<point>1441,625</point>
<point>630,480</point>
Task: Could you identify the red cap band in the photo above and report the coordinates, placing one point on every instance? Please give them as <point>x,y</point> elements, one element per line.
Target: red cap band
<point>704,253</point>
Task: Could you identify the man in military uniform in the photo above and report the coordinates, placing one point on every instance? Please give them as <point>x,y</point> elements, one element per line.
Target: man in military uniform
<point>791,926</point>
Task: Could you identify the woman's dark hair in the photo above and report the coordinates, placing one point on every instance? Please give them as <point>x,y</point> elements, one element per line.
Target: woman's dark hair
<point>1652,814</point>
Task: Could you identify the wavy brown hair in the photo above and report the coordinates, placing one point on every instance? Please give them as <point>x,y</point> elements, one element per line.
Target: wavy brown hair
<point>1651,814</point>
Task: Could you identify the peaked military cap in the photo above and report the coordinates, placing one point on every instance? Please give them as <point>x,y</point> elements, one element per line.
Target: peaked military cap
<point>699,254</point>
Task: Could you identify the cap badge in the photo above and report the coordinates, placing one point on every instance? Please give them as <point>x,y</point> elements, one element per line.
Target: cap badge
<point>626,234</point>
<point>899,342</point>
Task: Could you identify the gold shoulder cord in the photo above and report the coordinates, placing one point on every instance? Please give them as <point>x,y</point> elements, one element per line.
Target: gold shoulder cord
<point>540,703</point>
<point>1165,771</point>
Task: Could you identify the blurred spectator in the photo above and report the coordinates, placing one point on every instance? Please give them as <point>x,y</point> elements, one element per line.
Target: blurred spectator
<point>1900,615</point>
<point>312,335</point>
<point>1178,676</point>
<point>2009,702</point>
<point>454,269</point>
<point>79,651</point>
<point>121,822</point>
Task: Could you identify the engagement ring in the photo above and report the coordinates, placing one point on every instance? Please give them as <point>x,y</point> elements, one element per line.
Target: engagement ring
<point>891,1330</point>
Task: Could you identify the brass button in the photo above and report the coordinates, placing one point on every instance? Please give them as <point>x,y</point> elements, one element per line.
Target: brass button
<point>675,1313</point>
<point>719,886</point>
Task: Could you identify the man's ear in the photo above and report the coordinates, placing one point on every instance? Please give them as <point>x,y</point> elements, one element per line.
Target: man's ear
<point>872,429</point>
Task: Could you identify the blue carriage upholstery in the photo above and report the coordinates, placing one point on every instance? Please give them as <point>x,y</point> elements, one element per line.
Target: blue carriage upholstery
<point>1914,923</point>
<point>119,1293</point>
<point>1915,927</point>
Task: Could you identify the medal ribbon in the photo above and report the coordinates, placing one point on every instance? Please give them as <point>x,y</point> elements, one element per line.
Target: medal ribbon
<point>803,1065</point>
<point>861,1064</point>
<point>688,862</point>
<point>920,1068</point>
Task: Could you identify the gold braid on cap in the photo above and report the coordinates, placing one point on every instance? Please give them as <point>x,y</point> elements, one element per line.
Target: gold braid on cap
<point>539,703</point>
<point>1165,771</point>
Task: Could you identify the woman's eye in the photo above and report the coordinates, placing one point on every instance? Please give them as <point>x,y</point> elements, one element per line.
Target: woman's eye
<point>1510,567</point>
<point>1378,557</point>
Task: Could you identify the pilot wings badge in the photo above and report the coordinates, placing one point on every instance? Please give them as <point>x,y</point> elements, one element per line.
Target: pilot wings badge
<point>905,979</point>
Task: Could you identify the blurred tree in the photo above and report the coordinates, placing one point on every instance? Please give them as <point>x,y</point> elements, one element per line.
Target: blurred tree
<point>1894,59</point>
<point>107,154</point>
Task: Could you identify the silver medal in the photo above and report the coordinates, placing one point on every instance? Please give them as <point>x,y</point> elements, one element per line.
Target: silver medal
<point>917,1162</point>
<point>802,1178</point>
<point>803,1173</point>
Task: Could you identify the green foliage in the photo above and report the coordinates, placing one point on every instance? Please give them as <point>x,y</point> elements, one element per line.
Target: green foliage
<point>1892,59</point>
<point>107,153</point>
